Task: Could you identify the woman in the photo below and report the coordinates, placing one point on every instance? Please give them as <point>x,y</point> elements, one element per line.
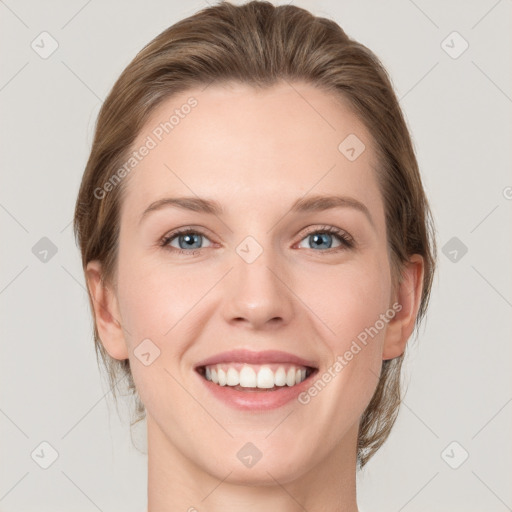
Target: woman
<point>258,250</point>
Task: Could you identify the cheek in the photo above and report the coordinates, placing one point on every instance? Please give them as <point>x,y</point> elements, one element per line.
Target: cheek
<point>157,305</point>
<point>362,327</point>
<point>347,300</point>
<point>155,297</point>
<point>355,298</point>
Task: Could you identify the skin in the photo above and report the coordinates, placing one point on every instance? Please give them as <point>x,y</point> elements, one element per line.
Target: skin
<point>255,152</point>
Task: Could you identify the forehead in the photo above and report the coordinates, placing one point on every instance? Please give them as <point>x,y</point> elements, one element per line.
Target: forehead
<point>239,144</point>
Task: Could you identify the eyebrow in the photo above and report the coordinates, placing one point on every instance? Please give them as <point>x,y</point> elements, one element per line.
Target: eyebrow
<point>195,204</point>
<point>320,203</point>
<point>314,203</point>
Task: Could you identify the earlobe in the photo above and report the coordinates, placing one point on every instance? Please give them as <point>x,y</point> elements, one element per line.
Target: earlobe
<point>408,297</point>
<point>106,312</point>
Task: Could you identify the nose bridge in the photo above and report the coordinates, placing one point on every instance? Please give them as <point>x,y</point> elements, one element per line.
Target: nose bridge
<point>255,290</point>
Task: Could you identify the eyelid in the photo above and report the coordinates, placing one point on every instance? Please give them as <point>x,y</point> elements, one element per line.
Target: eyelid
<point>164,240</point>
<point>327,228</point>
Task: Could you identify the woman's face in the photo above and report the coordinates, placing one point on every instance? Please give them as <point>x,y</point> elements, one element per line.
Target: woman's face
<point>260,276</point>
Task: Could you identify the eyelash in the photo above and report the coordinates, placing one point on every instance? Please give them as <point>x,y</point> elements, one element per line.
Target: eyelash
<point>347,242</point>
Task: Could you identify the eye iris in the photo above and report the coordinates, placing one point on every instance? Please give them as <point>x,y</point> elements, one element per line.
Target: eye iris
<point>321,238</point>
<point>189,240</point>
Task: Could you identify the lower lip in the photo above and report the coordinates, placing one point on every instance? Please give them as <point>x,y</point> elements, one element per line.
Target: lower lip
<point>261,400</point>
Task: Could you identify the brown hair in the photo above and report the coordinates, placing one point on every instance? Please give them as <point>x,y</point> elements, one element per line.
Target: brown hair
<point>259,44</point>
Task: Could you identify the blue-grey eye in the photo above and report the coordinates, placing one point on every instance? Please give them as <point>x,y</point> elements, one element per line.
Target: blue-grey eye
<point>323,239</point>
<point>191,240</point>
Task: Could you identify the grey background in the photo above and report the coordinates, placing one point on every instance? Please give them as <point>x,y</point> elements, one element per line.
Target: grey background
<point>458,372</point>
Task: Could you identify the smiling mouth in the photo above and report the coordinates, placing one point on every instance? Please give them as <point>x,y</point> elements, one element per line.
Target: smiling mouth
<point>247,377</point>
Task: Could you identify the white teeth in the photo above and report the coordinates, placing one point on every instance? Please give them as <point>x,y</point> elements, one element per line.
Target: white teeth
<point>233,377</point>
<point>263,377</point>
<point>222,377</point>
<point>280,376</point>
<point>248,377</point>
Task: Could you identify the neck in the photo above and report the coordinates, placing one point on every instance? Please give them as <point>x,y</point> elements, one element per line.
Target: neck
<point>177,483</point>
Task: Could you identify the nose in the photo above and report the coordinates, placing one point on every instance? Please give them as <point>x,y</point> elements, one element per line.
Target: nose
<point>258,294</point>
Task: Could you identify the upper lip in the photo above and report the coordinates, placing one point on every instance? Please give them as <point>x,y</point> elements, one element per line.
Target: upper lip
<point>253,357</point>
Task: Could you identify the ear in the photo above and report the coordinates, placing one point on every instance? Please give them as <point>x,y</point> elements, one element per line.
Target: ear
<point>106,312</point>
<point>407,300</point>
